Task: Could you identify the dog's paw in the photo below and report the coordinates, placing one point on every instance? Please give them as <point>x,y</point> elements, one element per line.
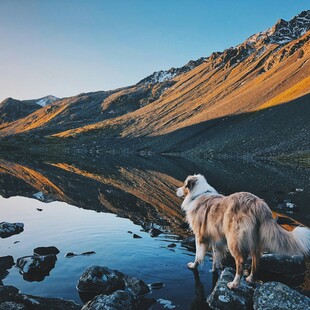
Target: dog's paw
<point>249,279</point>
<point>192,265</point>
<point>232,285</point>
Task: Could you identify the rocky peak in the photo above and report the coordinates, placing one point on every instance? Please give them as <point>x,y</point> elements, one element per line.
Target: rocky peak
<point>283,31</point>
<point>46,100</point>
<point>167,75</point>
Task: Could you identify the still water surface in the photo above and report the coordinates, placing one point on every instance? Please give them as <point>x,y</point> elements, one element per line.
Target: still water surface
<point>97,205</point>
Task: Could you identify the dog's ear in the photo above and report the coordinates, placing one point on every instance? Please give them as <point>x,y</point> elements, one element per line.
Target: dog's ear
<point>190,183</point>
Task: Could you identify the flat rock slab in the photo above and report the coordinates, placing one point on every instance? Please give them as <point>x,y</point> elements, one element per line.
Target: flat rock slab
<point>10,229</point>
<point>224,298</point>
<point>277,296</point>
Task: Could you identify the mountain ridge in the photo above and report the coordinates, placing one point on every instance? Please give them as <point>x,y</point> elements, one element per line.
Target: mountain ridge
<point>262,72</point>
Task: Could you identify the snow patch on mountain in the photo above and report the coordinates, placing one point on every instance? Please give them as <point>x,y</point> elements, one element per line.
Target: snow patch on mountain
<point>46,100</point>
<point>167,75</point>
<point>283,31</point>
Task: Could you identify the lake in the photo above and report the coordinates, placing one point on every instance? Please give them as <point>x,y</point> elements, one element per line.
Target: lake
<point>98,204</point>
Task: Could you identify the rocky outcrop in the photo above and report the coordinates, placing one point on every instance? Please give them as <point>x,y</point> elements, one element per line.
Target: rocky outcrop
<point>10,229</point>
<point>11,298</point>
<point>277,296</point>
<point>224,298</point>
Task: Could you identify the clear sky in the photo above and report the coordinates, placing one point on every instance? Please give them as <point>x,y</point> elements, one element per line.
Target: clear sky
<point>66,47</point>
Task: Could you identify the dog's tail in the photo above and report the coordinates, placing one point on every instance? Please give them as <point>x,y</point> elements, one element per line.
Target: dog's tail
<point>276,239</point>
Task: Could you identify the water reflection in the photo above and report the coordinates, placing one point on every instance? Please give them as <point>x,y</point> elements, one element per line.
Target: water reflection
<point>136,188</point>
<point>143,189</point>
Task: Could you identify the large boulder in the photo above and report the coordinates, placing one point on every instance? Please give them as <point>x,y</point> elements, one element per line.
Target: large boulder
<point>102,280</point>
<point>10,229</point>
<point>36,268</point>
<point>277,296</point>
<point>285,265</point>
<point>224,298</point>
<point>119,300</point>
<point>11,298</point>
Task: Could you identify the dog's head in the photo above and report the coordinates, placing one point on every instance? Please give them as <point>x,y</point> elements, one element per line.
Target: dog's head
<point>193,184</point>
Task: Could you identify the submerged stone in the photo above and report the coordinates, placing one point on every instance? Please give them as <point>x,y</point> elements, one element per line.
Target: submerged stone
<point>36,268</point>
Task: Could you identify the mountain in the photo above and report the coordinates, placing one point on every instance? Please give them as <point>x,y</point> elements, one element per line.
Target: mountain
<point>12,109</point>
<point>46,100</point>
<point>249,100</point>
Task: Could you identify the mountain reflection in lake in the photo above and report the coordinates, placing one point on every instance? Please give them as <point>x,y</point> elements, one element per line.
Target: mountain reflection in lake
<point>141,192</point>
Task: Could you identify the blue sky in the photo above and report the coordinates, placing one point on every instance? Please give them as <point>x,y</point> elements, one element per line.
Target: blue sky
<point>66,47</point>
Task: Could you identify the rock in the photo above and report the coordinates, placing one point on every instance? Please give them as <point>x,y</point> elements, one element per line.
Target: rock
<point>119,300</point>
<point>11,298</point>
<point>49,250</point>
<point>39,209</point>
<point>6,262</point>
<point>224,298</point>
<point>171,245</point>
<point>157,285</point>
<point>70,254</point>
<point>277,296</point>
<point>136,236</point>
<point>102,280</point>
<point>136,286</point>
<point>10,229</point>
<point>189,243</point>
<point>36,268</point>
<point>287,206</point>
<point>11,305</point>
<point>88,253</point>
<point>285,265</point>
<point>154,232</point>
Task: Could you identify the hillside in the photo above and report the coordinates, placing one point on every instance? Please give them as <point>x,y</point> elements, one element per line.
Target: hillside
<point>247,100</point>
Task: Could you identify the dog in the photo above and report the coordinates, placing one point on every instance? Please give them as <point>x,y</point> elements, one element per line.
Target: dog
<point>241,223</point>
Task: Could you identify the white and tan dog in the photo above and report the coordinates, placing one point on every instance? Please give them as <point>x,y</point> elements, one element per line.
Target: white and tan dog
<point>241,222</point>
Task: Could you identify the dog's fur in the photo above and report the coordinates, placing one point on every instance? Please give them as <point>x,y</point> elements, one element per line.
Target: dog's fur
<point>241,223</point>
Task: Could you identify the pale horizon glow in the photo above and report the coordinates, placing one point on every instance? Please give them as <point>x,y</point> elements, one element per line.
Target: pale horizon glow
<point>64,48</point>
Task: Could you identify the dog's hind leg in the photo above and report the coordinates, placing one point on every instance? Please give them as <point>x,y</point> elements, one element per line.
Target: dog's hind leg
<point>239,269</point>
<point>250,278</point>
<point>201,249</point>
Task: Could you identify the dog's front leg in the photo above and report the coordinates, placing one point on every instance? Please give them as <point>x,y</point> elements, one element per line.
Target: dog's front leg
<point>201,249</point>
